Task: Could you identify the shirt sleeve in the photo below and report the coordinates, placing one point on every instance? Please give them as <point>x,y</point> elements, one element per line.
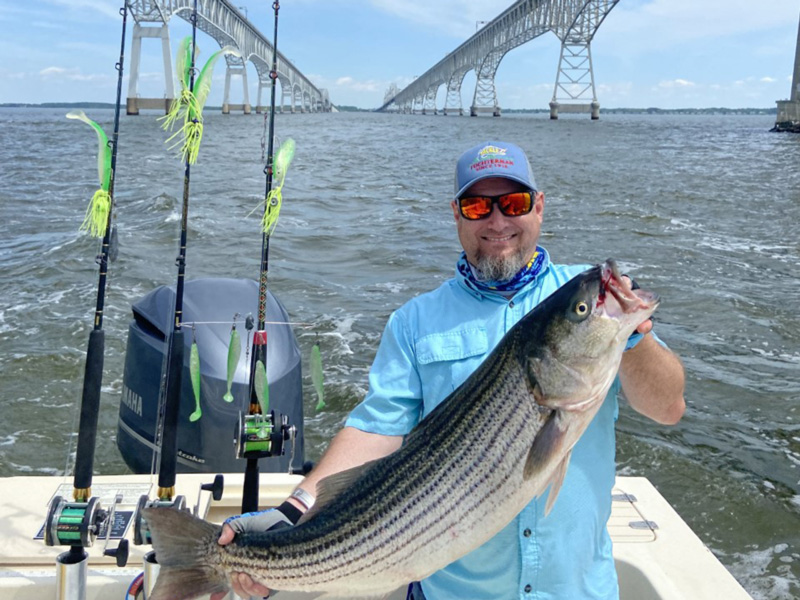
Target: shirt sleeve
<point>393,404</point>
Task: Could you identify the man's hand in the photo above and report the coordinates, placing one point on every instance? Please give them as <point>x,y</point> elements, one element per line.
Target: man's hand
<point>266,520</point>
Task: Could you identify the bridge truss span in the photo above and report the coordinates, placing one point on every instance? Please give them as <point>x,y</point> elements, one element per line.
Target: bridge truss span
<point>228,27</point>
<point>574,22</point>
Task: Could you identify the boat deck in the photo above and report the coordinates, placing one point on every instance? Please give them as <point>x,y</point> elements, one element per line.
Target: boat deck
<point>658,556</point>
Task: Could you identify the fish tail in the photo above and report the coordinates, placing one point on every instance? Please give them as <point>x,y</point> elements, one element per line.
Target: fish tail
<point>183,545</point>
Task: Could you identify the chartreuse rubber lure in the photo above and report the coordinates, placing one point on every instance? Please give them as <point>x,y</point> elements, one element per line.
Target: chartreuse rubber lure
<point>96,219</point>
<point>194,372</point>
<point>316,375</point>
<point>234,352</point>
<point>280,165</point>
<point>262,387</point>
<point>189,105</point>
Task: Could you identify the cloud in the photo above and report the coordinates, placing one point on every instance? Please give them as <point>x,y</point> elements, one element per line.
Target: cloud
<point>676,83</point>
<point>456,18</point>
<point>99,6</point>
<point>74,74</point>
<point>768,80</point>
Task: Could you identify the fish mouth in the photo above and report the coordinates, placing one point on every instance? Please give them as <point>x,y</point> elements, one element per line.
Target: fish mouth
<point>625,300</point>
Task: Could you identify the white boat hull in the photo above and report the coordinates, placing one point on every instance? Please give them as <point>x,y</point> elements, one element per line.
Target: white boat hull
<point>658,556</point>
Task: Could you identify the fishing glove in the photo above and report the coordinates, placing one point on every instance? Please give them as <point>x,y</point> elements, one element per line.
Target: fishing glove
<point>286,515</point>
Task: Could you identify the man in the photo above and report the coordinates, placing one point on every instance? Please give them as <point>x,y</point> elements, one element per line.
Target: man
<point>435,341</point>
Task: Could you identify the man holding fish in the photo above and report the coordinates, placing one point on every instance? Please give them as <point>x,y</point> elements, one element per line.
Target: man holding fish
<point>548,540</point>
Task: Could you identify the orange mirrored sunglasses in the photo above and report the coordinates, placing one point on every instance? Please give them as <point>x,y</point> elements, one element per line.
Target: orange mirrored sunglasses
<point>511,205</point>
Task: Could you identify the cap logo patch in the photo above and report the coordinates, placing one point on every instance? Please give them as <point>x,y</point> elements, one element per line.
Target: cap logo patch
<point>491,157</point>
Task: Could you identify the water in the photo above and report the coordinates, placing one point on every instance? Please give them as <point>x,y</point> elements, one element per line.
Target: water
<point>702,209</point>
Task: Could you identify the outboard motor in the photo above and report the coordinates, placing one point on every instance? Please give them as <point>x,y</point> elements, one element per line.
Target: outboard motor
<point>207,444</point>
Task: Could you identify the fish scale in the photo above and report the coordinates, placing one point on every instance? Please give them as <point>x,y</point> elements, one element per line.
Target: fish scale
<point>461,476</point>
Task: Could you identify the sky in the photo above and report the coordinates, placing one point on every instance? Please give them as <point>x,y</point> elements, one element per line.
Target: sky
<point>647,53</point>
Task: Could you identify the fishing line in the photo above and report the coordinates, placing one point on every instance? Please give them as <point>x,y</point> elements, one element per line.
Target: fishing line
<point>193,323</point>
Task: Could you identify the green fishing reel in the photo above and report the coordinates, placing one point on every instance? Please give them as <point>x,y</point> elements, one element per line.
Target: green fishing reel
<point>258,437</point>
<point>73,523</point>
<point>141,530</point>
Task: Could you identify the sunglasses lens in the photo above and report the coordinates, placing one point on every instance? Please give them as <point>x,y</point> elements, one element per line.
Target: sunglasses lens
<point>515,205</point>
<point>475,207</point>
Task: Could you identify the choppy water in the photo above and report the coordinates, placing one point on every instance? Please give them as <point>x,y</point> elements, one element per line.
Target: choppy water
<point>702,209</point>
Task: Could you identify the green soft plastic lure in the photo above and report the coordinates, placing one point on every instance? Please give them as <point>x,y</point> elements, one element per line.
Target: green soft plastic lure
<point>262,387</point>
<point>194,372</point>
<point>234,352</point>
<point>316,376</point>
<point>280,165</point>
<point>96,219</point>
<point>188,107</point>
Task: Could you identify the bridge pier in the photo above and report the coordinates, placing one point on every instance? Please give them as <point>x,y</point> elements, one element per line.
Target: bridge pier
<point>133,102</point>
<point>574,81</point>
<point>240,71</point>
<point>474,111</point>
<point>788,117</point>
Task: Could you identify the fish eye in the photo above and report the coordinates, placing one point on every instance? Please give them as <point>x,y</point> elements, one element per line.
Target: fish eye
<point>581,309</point>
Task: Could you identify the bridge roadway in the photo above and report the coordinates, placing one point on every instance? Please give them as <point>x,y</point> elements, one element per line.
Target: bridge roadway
<point>228,27</point>
<point>574,22</point>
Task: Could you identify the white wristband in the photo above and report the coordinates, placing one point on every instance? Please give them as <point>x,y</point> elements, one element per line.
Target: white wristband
<point>303,497</point>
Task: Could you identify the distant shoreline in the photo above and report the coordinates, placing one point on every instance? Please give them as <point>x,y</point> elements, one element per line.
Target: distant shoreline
<point>608,111</point>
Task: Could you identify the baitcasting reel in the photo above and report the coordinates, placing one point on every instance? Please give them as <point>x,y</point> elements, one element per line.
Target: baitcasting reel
<point>141,530</point>
<point>77,524</point>
<point>258,437</point>
<point>73,523</point>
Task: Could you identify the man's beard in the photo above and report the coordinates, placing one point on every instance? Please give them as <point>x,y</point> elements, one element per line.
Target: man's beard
<point>494,268</point>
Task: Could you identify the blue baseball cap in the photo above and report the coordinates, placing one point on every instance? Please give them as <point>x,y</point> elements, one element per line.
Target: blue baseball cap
<point>493,159</point>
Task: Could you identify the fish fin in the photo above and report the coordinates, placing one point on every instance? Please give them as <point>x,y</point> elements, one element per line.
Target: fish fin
<point>184,584</point>
<point>331,486</point>
<point>547,442</point>
<point>182,543</point>
<point>179,539</point>
<point>555,483</point>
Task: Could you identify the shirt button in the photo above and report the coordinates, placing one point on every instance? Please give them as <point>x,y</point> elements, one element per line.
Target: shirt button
<point>527,533</point>
<point>528,589</point>
<point>511,304</point>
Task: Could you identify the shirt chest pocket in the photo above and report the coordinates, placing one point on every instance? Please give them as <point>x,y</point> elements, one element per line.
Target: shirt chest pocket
<point>446,359</point>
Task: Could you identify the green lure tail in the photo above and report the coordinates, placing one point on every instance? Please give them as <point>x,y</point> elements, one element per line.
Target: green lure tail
<point>316,376</point>
<point>96,219</point>
<point>262,387</point>
<point>234,352</point>
<point>189,106</point>
<point>280,165</point>
<point>194,372</point>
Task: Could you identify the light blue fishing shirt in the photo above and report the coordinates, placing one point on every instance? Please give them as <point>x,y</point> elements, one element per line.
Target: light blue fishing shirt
<point>429,347</point>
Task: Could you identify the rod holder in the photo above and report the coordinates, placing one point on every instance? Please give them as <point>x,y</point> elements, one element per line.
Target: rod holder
<point>72,570</point>
<point>151,569</point>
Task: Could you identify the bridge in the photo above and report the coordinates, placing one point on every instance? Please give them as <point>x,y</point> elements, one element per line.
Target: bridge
<point>228,27</point>
<point>788,117</point>
<point>574,22</point>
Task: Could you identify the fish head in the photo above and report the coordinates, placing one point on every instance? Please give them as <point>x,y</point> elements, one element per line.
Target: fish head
<point>584,327</point>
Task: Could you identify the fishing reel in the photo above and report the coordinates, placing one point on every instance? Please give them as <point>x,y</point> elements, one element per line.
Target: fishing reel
<point>141,530</point>
<point>77,524</point>
<point>258,437</point>
<point>73,523</point>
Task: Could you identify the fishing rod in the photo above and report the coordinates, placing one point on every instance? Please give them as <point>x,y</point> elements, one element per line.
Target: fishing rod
<point>259,434</point>
<point>77,523</point>
<point>188,108</point>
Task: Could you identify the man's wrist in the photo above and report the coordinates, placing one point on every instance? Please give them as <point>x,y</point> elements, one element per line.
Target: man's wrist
<point>302,498</point>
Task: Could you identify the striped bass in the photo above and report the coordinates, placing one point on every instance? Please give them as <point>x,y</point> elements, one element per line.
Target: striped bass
<point>464,472</point>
